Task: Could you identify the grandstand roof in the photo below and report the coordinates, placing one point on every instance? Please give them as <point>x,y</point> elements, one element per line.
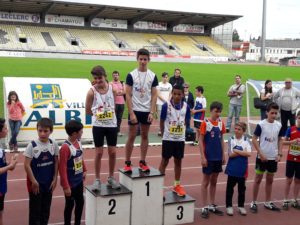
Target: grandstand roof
<point>90,11</point>
<point>278,43</point>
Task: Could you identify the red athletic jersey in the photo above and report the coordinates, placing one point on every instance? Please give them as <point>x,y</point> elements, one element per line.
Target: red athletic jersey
<point>294,149</point>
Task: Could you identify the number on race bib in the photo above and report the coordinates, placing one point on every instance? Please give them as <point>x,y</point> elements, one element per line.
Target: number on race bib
<point>78,164</point>
<point>107,115</point>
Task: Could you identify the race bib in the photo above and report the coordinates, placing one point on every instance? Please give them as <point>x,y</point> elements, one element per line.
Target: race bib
<point>176,130</point>
<point>78,165</point>
<point>104,116</point>
<point>295,150</point>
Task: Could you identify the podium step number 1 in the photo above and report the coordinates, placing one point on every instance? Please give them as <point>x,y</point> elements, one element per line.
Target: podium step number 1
<point>147,196</point>
<point>108,206</point>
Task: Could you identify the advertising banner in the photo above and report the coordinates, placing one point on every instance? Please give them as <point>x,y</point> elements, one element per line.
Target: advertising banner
<point>19,17</point>
<point>56,98</point>
<point>64,20</point>
<point>189,28</point>
<point>109,23</point>
<point>144,25</point>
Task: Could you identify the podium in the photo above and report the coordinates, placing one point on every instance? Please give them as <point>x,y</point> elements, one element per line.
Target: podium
<point>147,196</point>
<point>178,210</point>
<point>107,206</point>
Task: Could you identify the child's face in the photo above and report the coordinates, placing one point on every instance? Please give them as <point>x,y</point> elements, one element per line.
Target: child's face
<point>238,131</point>
<point>44,133</point>
<point>197,93</point>
<point>177,95</point>
<point>4,131</point>
<point>143,60</point>
<point>272,114</point>
<point>165,78</point>
<point>13,98</point>
<point>78,134</point>
<point>215,113</point>
<point>99,80</point>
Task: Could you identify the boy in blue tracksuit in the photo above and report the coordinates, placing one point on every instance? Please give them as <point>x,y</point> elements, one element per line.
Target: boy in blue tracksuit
<point>41,166</point>
<point>239,149</point>
<point>4,167</point>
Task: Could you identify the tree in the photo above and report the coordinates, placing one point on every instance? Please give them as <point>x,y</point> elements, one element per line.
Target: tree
<point>235,35</point>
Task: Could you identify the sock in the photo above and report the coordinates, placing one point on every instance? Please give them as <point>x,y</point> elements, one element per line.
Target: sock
<point>176,182</point>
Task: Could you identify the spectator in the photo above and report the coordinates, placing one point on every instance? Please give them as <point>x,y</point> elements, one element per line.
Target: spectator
<point>266,95</point>
<point>177,79</point>
<point>235,93</point>
<point>119,88</point>
<point>188,96</point>
<point>286,98</point>
<point>15,113</point>
<point>164,90</point>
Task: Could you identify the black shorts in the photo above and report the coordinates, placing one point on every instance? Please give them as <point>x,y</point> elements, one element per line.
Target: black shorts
<point>292,169</point>
<point>270,166</point>
<point>142,117</point>
<point>197,124</point>
<point>111,134</point>
<point>2,197</point>
<point>172,148</point>
<point>212,167</point>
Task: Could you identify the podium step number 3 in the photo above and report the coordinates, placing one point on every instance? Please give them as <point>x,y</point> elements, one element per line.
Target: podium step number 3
<point>108,206</point>
<point>147,196</point>
<point>178,210</point>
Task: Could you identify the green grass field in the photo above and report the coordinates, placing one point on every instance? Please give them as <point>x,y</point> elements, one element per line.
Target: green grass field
<point>215,78</point>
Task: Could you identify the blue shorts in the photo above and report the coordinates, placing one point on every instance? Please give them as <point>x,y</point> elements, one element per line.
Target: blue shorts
<point>212,167</point>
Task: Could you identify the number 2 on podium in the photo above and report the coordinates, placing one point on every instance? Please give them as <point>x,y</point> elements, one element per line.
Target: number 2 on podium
<point>112,203</point>
<point>148,188</point>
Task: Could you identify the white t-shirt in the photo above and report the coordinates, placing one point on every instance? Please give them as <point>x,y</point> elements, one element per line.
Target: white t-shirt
<point>31,151</point>
<point>268,134</point>
<point>142,84</point>
<point>164,90</point>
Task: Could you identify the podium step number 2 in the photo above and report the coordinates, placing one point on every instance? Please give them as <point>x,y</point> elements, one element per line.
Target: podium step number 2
<point>147,196</point>
<point>108,206</point>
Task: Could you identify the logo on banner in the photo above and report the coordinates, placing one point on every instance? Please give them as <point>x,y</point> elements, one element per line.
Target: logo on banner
<point>45,95</point>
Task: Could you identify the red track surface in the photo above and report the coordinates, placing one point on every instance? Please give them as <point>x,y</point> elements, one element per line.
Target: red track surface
<point>16,202</point>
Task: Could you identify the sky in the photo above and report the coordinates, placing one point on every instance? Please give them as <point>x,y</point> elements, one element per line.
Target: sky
<point>283,16</point>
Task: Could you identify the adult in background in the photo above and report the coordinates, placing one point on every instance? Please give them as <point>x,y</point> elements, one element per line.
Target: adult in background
<point>141,95</point>
<point>286,98</point>
<point>188,96</point>
<point>164,90</point>
<point>235,93</point>
<point>266,95</point>
<point>119,89</point>
<point>177,79</point>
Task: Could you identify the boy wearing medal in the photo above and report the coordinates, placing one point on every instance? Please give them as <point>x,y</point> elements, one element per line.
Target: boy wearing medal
<point>173,119</point>
<point>141,95</point>
<point>101,105</point>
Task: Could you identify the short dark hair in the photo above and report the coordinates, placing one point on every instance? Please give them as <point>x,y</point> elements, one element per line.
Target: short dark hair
<point>45,123</point>
<point>115,72</point>
<point>216,105</point>
<point>200,89</point>
<point>73,126</point>
<point>272,105</point>
<point>98,71</point>
<point>242,125</point>
<point>178,70</point>
<point>143,51</point>
<point>2,123</point>
<point>238,76</point>
<point>177,87</point>
<point>164,74</point>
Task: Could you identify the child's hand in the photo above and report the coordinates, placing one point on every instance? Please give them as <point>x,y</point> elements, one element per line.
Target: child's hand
<point>204,162</point>
<point>53,185</point>
<point>67,192</point>
<point>262,157</point>
<point>193,111</point>
<point>35,187</point>
<point>13,162</point>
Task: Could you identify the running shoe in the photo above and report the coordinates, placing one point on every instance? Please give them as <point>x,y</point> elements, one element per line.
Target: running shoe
<point>253,207</point>
<point>214,209</point>
<point>96,185</point>
<point>271,206</point>
<point>285,205</point>
<point>179,190</point>
<point>204,213</point>
<point>229,211</point>
<point>195,143</point>
<point>144,167</point>
<point>242,211</point>
<point>127,168</point>
<point>113,183</point>
<point>295,204</point>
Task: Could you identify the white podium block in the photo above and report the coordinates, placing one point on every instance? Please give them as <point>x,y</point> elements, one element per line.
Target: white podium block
<point>178,210</point>
<point>147,196</point>
<point>107,206</point>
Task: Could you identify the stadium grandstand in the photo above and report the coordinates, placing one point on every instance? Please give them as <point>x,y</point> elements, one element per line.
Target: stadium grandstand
<point>89,29</point>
